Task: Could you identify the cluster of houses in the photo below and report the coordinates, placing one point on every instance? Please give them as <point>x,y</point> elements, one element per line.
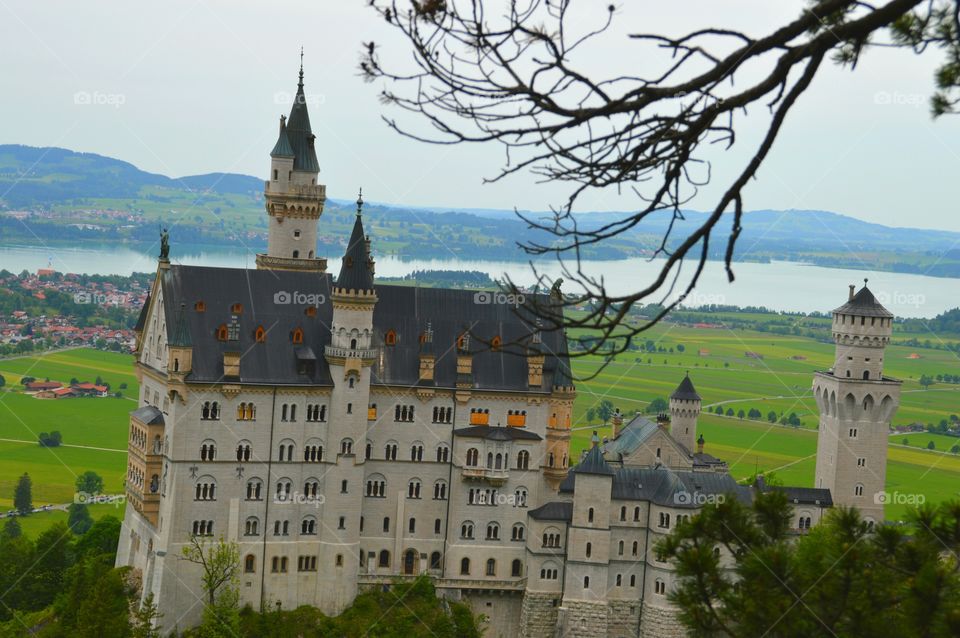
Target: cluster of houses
<point>56,390</point>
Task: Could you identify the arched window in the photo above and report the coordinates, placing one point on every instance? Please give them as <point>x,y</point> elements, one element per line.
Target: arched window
<point>200,306</point>
<point>493,532</point>
<point>353,344</point>
<point>516,534</point>
<point>222,332</point>
<point>523,460</point>
<point>465,566</point>
<point>516,568</point>
<point>495,343</point>
<point>254,487</point>
<point>390,338</point>
<point>590,515</point>
<point>586,582</point>
<point>491,567</point>
<point>466,530</point>
<point>346,446</point>
<point>297,335</point>
<point>589,550</point>
<point>249,564</point>
<point>435,560</point>
<point>251,526</point>
<point>473,457</point>
<point>308,526</point>
<point>384,558</point>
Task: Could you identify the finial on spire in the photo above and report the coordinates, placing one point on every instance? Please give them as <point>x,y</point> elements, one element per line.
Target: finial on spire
<point>360,202</point>
<point>301,66</point>
<point>864,282</point>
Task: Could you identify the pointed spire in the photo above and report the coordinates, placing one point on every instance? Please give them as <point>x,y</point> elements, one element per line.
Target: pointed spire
<point>300,84</point>
<point>360,202</point>
<point>299,132</point>
<point>356,272</point>
<point>685,391</point>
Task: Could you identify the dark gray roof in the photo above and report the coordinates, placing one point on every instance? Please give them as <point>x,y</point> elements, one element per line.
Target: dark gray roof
<point>863,304</point>
<point>497,433</point>
<point>282,148</point>
<point>553,511</point>
<point>180,332</point>
<point>805,495</point>
<point>404,309</point>
<point>593,463</point>
<point>142,319</point>
<point>356,272</point>
<point>663,486</point>
<point>632,436</point>
<point>299,134</point>
<point>685,391</point>
<point>148,415</point>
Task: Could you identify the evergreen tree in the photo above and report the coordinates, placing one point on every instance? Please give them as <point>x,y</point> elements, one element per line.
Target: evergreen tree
<point>23,495</point>
<point>78,519</point>
<point>145,619</point>
<point>12,529</point>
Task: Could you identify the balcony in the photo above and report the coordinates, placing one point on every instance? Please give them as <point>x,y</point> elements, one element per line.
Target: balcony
<point>289,263</point>
<point>494,477</point>
<point>490,584</point>
<point>332,352</point>
<point>318,191</point>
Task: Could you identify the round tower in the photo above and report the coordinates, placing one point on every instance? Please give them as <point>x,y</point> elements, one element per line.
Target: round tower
<point>856,403</point>
<point>684,411</point>
<point>293,198</point>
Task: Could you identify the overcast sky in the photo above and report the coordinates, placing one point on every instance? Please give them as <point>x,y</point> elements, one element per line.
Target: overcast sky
<point>197,86</point>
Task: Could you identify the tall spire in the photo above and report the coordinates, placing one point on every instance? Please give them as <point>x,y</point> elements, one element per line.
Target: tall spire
<point>300,84</point>
<point>360,202</point>
<point>299,133</point>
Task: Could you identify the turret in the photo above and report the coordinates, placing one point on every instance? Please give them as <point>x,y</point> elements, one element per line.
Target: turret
<point>684,410</point>
<point>861,330</point>
<point>293,198</point>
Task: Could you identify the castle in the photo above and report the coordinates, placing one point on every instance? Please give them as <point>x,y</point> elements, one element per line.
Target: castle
<point>346,434</point>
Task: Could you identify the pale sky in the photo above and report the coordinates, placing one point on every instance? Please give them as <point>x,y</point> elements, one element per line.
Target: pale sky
<point>196,86</point>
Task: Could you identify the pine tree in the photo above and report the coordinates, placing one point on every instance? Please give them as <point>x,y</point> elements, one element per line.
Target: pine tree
<point>145,619</point>
<point>23,495</point>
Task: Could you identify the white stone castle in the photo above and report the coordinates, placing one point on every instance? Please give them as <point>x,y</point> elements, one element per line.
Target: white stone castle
<point>347,434</point>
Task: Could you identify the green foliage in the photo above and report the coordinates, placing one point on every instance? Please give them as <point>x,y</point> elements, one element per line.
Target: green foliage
<point>11,529</point>
<point>145,619</point>
<point>23,494</point>
<point>657,406</point>
<point>101,538</point>
<point>90,483</point>
<point>855,580</point>
<point>79,520</point>
<point>605,410</point>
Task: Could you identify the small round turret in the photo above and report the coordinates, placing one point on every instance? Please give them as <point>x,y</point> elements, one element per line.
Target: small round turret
<point>861,329</point>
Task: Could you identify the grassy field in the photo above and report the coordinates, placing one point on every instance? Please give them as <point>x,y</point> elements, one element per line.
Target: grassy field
<point>780,381</point>
<point>88,423</point>
<point>33,524</point>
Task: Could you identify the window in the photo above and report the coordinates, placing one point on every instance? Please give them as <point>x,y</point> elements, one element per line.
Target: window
<point>620,548</point>
<point>664,520</point>
<point>281,528</point>
<point>260,335</point>
<point>208,451</point>
<point>516,534</point>
<point>623,513</point>
<point>619,580</point>
<point>343,486</point>
<point>209,411</point>
<point>390,452</point>
<point>206,491</point>
<point>548,572</point>
<point>413,489</point>
<point>308,526</point>
<point>858,490</point>
<point>435,560</point>
<point>442,415</point>
<point>283,489</point>
<point>636,513</point>
<point>390,338</point>
<point>590,515</point>
<point>200,306</point>
<point>436,525</point>
<point>342,522</point>
<point>523,460</point>
<point>249,564</point>
<point>633,580</point>
<point>861,462</point>
<point>466,530</point>
<point>253,490</point>
<point>251,526</point>
<point>586,582</point>
<point>203,528</point>
<point>316,412</point>
<point>589,550</point>
<point>296,336</point>
<point>635,548</point>
<point>659,587</point>
<point>376,486</point>
<point>386,523</point>
<point>473,457</point>
<point>306,563</point>
<point>493,532</point>
<point>516,568</point>
<point>313,453</point>
<point>311,488</point>
<point>440,491</point>
<point>416,452</point>
<point>520,497</point>
<point>443,454</point>
<point>403,413</point>
<point>465,567</point>
<point>222,332</point>
<point>384,558</point>
<point>491,567</point>
<point>853,433</point>
<point>346,446</point>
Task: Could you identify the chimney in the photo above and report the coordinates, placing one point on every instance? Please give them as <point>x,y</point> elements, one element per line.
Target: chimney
<point>700,443</point>
<point>663,420</point>
<point>594,440</point>
<point>617,420</point>
<point>850,296</point>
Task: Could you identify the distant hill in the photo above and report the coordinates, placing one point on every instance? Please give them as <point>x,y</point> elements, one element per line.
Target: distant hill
<point>59,185</point>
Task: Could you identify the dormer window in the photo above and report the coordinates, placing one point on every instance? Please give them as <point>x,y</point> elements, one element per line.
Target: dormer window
<point>311,311</point>
<point>222,332</point>
<point>495,343</point>
<point>260,335</point>
<point>200,306</point>
<point>390,338</point>
<point>460,341</point>
<point>297,335</point>
<point>237,308</point>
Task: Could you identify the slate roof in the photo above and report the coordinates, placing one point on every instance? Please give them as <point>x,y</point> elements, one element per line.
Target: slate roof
<point>863,304</point>
<point>553,511</point>
<point>282,148</point>
<point>805,495</point>
<point>666,487</point>
<point>356,269</point>
<point>593,463</point>
<point>404,309</point>
<point>180,332</point>
<point>685,391</point>
<point>142,319</point>
<point>148,415</point>
<point>299,134</point>
<point>497,433</point>
<point>632,436</point>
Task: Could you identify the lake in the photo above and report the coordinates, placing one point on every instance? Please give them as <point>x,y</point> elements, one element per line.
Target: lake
<point>782,285</point>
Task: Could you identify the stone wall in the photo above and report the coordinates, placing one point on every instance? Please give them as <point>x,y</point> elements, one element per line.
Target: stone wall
<point>623,618</point>
<point>584,618</point>
<point>660,622</point>
<point>501,611</point>
<point>538,616</point>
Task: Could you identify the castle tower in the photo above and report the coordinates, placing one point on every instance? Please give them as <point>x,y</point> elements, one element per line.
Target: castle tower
<point>294,199</point>
<point>350,356</point>
<point>684,410</point>
<point>856,403</point>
